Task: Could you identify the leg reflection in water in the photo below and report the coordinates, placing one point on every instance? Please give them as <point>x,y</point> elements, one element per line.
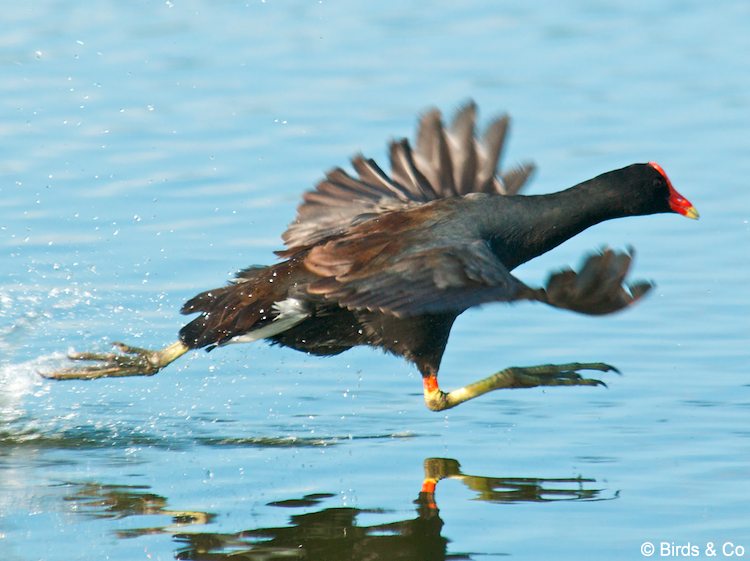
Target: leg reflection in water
<point>330,533</point>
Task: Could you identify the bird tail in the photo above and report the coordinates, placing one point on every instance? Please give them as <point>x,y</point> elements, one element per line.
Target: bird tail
<point>254,306</point>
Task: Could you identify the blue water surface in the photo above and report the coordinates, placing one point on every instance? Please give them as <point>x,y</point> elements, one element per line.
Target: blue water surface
<point>151,149</point>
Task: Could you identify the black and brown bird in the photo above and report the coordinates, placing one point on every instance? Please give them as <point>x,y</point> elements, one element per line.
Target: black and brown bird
<point>391,260</point>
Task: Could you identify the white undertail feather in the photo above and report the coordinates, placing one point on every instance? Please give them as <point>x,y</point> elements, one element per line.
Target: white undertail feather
<point>289,313</point>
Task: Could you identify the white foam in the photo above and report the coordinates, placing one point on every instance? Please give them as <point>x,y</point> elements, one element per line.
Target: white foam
<point>17,381</point>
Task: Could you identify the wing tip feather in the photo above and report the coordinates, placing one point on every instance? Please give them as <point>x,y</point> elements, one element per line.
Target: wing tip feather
<point>445,161</point>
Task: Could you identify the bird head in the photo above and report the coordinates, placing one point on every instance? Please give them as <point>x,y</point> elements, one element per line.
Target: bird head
<point>677,202</point>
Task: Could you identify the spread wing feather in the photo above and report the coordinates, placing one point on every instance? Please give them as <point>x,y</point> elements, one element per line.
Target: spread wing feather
<point>598,288</point>
<point>446,162</point>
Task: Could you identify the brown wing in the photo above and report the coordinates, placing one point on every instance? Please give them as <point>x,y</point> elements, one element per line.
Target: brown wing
<point>446,162</point>
<point>394,270</point>
<point>379,273</point>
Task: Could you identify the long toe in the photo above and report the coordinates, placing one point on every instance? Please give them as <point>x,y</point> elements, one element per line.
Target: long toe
<point>571,367</point>
<point>568,374</point>
<point>600,366</point>
<point>532,379</point>
<point>129,361</point>
<point>132,362</point>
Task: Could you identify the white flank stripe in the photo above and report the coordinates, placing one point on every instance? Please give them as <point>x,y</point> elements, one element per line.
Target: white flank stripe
<point>290,312</point>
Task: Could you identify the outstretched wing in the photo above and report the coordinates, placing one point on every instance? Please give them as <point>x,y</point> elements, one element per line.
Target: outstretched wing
<point>375,274</point>
<point>446,162</point>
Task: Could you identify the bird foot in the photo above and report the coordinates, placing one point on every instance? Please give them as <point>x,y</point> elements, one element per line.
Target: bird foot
<point>556,374</point>
<point>130,361</point>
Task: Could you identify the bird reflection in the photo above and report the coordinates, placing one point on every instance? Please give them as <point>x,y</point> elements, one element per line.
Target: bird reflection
<point>330,533</point>
<point>121,501</point>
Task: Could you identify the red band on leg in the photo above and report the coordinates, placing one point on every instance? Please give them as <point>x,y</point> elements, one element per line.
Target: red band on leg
<point>428,486</point>
<point>430,383</point>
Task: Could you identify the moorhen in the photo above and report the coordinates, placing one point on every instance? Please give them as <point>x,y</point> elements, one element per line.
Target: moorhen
<point>390,261</point>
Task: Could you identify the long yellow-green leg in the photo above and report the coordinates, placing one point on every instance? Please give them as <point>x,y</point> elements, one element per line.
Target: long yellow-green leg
<point>130,361</point>
<point>510,378</point>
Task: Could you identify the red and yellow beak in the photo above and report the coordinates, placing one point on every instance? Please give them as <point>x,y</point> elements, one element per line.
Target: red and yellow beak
<point>677,202</point>
<point>682,206</point>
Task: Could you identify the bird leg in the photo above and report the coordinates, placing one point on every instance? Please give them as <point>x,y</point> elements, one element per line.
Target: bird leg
<point>130,361</point>
<point>510,378</point>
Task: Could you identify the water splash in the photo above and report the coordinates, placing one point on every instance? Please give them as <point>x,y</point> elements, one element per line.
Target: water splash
<point>22,380</point>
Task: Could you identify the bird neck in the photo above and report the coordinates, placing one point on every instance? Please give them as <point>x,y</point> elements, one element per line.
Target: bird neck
<point>528,226</point>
